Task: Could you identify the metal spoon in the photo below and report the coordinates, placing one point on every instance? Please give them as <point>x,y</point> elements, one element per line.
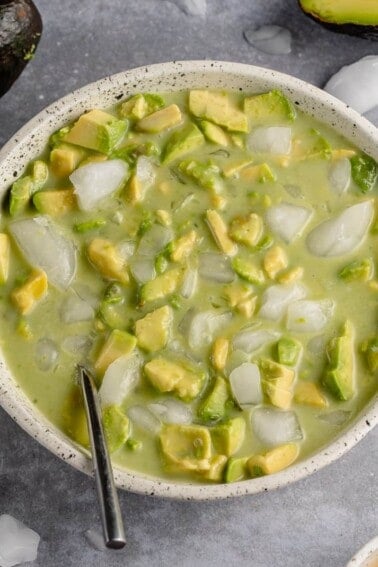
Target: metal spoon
<point>111,517</point>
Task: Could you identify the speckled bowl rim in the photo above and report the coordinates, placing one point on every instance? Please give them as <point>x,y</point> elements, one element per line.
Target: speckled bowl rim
<point>29,140</point>
<point>365,554</point>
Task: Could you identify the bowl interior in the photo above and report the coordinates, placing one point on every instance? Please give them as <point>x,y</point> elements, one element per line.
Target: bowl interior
<point>31,140</point>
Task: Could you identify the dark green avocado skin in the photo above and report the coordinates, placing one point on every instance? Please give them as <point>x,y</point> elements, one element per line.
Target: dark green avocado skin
<point>20,31</point>
<point>366,32</point>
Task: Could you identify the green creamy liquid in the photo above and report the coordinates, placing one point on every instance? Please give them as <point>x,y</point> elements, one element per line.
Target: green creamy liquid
<point>51,391</point>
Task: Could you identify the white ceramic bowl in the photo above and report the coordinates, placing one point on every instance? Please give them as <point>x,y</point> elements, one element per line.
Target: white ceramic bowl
<point>32,138</point>
<point>367,556</point>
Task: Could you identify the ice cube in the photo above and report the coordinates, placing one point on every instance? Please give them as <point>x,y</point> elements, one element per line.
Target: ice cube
<point>18,543</point>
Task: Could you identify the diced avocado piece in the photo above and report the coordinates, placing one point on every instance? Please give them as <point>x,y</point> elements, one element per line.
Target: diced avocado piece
<point>217,107</point>
<point>152,331</point>
<point>273,461</point>
<point>339,374</point>
<point>370,349</point>
<point>288,351</point>
<point>213,407</point>
<point>360,270</point>
<point>87,226</point>
<point>186,447</point>
<point>21,191</point>
<point>269,108</point>
<point>355,18</point>
<point>248,270</point>
<point>160,120</point>
<point>214,133</point>
<point>228,437</point>
<point>116,427</point>
<point>39,174</point>
<point>134,190</point>
<point>247,230</point>
<point>64,158</point>
<point>58,136</point>
<point>178,377</point>
<point>232,168</point>
<point>277,381</point>
<point>275,260</point>
<point>236,292</point>
<point>219,231</point>
<point>97,130</point>
<point>206,174</point>
<point>181,248</point>
<point>118,343</point>
<point>161,286</point>
<point>24,330</point>
<point>164,217</point>
<point>219,353</point>
<point>309,394</point>
<point>4,257</point>
<point>56,202</point>
<point>261,173</point>
<point>247,307</point>
<point>292,275</point>
<point>106,259</point>
<point>27,295</point>
<point>183,142</point>
<point>217,464</point>
<point>140,105</point>
<point>236,469</point>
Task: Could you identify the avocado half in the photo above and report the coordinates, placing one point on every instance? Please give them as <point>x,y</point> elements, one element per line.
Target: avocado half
<point>355,17</point>
<point>20,31</point>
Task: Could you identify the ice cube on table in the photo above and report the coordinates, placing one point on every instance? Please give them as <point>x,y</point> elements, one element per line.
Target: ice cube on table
<point>18,543</point>
<point>95,540</point>
<point>271,39</point>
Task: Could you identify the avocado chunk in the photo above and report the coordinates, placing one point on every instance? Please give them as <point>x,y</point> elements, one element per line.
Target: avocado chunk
<point>186,447</point>
<point>217,464</point>
<point>339,374</point>
<point>347,16</point>
<point>288,351</point>
<point>56,202</point>
<point>260,173</point>
<point>360,270</point>
<point>116,427</point>
<point>106,259</point>
<point>4,257</point>
<point>228,437</point>
<point>152,331</point>
<point>273,461</point>
<point>179,377</point>
<point>247,230</point>
<point>269,108</point>
<point>97,130</point>
<point>64,158</point>
<point>364,170</point>
<point>33,290</point>
<point>160,120</point>
<point>140,105</point>
<point>118,343</point>
<point>219,353</point>
<point>308,393</point>
<point>370,350</point>
<point>275,260</point>
<point>236,469</point>
<point>248,270</point>
<point>218,108</point>
<point>20,32</point>
<point>233,168</point>
<point>183,142</point>
<point>214,133</point>
<point>24,187</point>
<point>219,231</point>
<point>277,381</point>
<point>162,285</point>
<point>181,248</point>
<point>206,174</point>
<point>213,406</point>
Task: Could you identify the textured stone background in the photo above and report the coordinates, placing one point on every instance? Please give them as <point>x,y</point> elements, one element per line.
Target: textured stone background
<point>318,522</point>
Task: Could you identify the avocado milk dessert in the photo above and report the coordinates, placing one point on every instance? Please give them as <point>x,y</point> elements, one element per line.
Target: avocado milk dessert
<point>211,257</point>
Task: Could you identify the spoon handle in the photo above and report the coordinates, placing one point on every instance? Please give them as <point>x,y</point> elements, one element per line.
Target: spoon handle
<point>111,517</point>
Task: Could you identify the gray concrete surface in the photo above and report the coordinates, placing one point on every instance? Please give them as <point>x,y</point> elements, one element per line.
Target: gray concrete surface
<point>318,522</point>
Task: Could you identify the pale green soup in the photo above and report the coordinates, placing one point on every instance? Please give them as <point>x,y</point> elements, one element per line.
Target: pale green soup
<point>211,257</point>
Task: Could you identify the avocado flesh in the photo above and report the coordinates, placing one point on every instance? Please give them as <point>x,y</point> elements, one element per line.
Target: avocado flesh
<point>346,16</point>
<point>20,31</point>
